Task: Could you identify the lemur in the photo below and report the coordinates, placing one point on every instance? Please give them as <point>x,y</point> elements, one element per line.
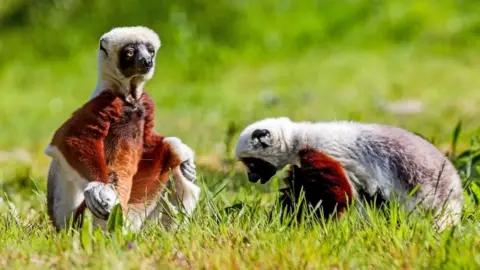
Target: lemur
<point>341,162</point>
<point>108,152</point>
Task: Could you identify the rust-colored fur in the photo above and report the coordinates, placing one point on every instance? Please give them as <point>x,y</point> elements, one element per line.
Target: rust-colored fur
<point>322,179</point>
<point>113,141</point>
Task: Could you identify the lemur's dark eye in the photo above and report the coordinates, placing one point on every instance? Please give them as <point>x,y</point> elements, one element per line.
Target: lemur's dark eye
<point>259,133</point>
<point>151,50</point>
<point>261,137</point>
<point>130,53</point>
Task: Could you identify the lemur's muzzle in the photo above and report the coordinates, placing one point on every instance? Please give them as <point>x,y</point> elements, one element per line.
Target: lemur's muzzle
<point>143,60</point>
<point>259,170</point>
<point>254,177</point>
<point>143,64</point>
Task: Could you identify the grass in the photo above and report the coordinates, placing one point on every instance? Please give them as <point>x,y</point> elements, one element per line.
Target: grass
<point>222,67</point>
<point>251,237</point>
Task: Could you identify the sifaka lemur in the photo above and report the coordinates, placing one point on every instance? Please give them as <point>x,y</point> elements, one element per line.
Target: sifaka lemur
<point>340,162</point>
<point>108,152</point>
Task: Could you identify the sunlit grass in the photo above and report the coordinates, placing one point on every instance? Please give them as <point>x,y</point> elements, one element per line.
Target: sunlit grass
<point>249,235</point>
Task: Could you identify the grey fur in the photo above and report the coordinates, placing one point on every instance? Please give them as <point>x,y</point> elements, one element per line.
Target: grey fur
<point>379,160</point>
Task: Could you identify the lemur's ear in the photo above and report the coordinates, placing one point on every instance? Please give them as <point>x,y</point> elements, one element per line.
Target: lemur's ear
<point>103,42</point>
<point>261,137</point>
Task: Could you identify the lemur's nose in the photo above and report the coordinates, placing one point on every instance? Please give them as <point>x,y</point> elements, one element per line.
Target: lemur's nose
<point>147,62</point>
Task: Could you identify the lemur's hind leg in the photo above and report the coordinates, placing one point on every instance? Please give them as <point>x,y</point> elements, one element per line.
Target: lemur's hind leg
<point>66,194</point>
<point>183,196</point>
<point>63,196</point>
<point>151,179</point>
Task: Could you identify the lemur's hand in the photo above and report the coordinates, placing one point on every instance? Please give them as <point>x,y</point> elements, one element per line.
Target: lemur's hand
<point>186,156</point>
<point>189,170</point>
<point>100,199</point>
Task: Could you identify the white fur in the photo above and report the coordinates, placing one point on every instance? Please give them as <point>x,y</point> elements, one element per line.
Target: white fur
<point>183,198</point>
<point>186,193</point>
<point>109,77</point>
<point>179,149</point>
<point>348,142</point>
<point>287,136</point>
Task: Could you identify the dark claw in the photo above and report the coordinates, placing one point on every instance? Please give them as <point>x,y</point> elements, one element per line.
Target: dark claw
<point>191,176</point>
<point>97,213</point>
<point>188,171</point>
<point>95,208</point>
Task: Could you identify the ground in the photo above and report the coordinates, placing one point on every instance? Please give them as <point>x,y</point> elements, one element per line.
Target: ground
<point>207,100</point>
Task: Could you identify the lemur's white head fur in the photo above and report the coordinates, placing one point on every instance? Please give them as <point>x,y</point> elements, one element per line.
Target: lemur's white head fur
<point>266,146</point>
<point>126,59</point>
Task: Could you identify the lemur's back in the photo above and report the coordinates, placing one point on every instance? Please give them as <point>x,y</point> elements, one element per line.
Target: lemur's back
<point>385,160</point>
<point>408,158</point>
<point>396,161</point>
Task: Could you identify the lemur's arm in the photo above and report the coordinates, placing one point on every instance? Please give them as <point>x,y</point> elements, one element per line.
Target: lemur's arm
<point>78,146</point>
<point>80,138</point>
<point>323,179</point>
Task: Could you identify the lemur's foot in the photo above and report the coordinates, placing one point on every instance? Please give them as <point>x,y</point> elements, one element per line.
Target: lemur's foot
<point>186,156</point>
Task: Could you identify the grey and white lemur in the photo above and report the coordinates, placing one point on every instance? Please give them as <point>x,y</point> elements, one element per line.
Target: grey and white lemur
<point>337,162</point>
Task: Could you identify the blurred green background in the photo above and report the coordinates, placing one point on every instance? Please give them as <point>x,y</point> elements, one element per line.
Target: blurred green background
<point>225,64</point>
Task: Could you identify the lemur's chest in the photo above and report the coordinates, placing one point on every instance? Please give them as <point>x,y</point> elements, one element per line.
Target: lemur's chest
<point>125,136</point>
<point>131,123</point>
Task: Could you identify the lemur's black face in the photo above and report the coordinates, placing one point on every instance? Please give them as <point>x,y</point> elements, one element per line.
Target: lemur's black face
<point>136,59</point>
<point>259,170</point>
